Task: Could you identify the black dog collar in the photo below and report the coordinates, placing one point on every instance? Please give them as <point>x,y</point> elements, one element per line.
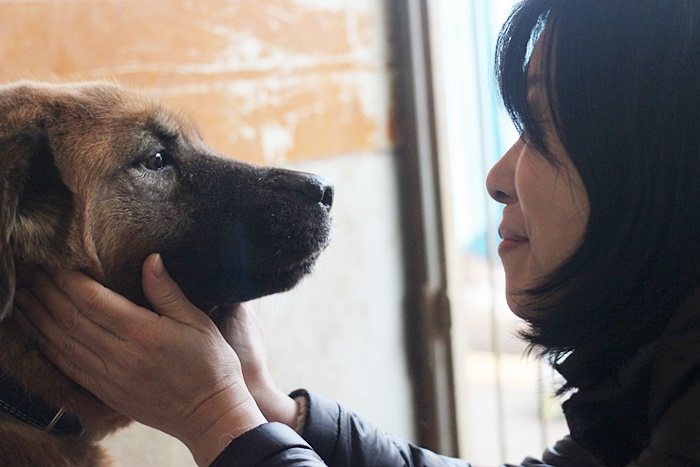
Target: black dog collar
<point>16,401</point>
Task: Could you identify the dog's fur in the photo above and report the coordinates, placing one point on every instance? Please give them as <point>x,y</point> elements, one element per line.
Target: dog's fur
<point>95,177</point>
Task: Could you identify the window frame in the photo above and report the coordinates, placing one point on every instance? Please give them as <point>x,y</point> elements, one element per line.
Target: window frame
<point>427,305</point>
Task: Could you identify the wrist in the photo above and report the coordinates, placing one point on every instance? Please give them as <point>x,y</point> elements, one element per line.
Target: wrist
<point>218,425</point>
<point>276,406</point>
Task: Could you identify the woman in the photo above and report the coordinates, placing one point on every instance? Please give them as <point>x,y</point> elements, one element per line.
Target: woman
<point>600,250</point>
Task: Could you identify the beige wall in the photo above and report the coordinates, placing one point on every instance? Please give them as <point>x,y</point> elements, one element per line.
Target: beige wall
<point>268,80</point>
<point>299,83</point>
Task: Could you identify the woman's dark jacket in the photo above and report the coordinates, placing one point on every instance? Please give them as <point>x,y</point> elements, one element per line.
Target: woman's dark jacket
<point>647,415</point>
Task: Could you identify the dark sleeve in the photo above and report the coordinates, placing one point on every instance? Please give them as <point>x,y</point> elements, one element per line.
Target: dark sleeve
<point>341,438</point>
<point>565,453</point>
<point>334,436</point>
<point>271,444</point>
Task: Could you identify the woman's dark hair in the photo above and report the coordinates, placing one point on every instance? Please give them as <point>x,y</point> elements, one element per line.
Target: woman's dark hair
<point>623,81</point>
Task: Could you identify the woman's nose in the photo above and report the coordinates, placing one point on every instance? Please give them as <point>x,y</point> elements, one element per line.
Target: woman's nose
<point>500,182</point>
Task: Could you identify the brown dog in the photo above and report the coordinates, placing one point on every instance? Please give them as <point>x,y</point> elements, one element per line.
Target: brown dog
<point>96,178</point>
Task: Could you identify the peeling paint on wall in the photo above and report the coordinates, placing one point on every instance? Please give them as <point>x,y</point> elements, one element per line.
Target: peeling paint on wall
<point>315,71</point>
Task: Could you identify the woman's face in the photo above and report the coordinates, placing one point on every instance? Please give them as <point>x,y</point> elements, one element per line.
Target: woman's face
<point>546,206</point>
<point>544,218</point>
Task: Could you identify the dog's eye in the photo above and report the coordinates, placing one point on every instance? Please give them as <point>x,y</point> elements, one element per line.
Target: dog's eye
<point>155,162</point>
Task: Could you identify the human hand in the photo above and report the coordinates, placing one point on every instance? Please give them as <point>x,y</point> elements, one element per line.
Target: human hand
<point>242,329</point>
<point>172,371</point>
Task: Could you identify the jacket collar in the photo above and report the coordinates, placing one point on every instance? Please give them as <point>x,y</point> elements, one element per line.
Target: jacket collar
<point>612,416</point>
<point>678,358</point>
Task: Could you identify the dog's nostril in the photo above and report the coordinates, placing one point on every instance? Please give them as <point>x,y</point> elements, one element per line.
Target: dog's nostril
<point>328,196</point>
<point>319,191</point>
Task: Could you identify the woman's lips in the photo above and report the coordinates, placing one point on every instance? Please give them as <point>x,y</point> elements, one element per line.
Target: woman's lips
<point>510,240</point>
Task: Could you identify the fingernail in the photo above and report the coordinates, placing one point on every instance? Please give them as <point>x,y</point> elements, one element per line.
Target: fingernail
<point>158,268</point>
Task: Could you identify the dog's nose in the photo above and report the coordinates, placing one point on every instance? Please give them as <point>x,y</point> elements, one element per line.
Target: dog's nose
<point>313,187</point>
<point>318,190</point>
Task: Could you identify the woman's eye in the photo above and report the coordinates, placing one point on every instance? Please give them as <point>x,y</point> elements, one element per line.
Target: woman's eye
<point>155,162</point>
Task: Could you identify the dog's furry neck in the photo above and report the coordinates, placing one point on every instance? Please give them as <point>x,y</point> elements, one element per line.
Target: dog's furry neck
<point>23,360</point>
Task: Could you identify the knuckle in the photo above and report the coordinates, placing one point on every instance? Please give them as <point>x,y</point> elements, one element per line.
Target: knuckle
<point>131,362</point>
<point>94,303</point>
<point>69,320</point>
<point>67,348</point>
<point>171,295</point>
<point>143,340</point>
<point>66,365</point>
<point>93,300</point>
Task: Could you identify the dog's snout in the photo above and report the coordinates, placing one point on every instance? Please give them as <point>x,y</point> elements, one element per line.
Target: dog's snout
<point>312,187</point>
<point>318,190</point>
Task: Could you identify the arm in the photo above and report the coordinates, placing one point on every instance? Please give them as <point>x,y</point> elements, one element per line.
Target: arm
<point>171,371</point>
<point>342,438</point>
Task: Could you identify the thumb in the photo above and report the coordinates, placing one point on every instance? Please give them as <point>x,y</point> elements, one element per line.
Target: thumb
<point>163,293</point>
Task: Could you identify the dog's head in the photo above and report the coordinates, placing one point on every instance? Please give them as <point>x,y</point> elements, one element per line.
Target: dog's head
<point>95,178</point>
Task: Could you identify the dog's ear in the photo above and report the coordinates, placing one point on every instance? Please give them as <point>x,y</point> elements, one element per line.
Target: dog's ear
<point>15,153</point>
<point>34,202</point>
